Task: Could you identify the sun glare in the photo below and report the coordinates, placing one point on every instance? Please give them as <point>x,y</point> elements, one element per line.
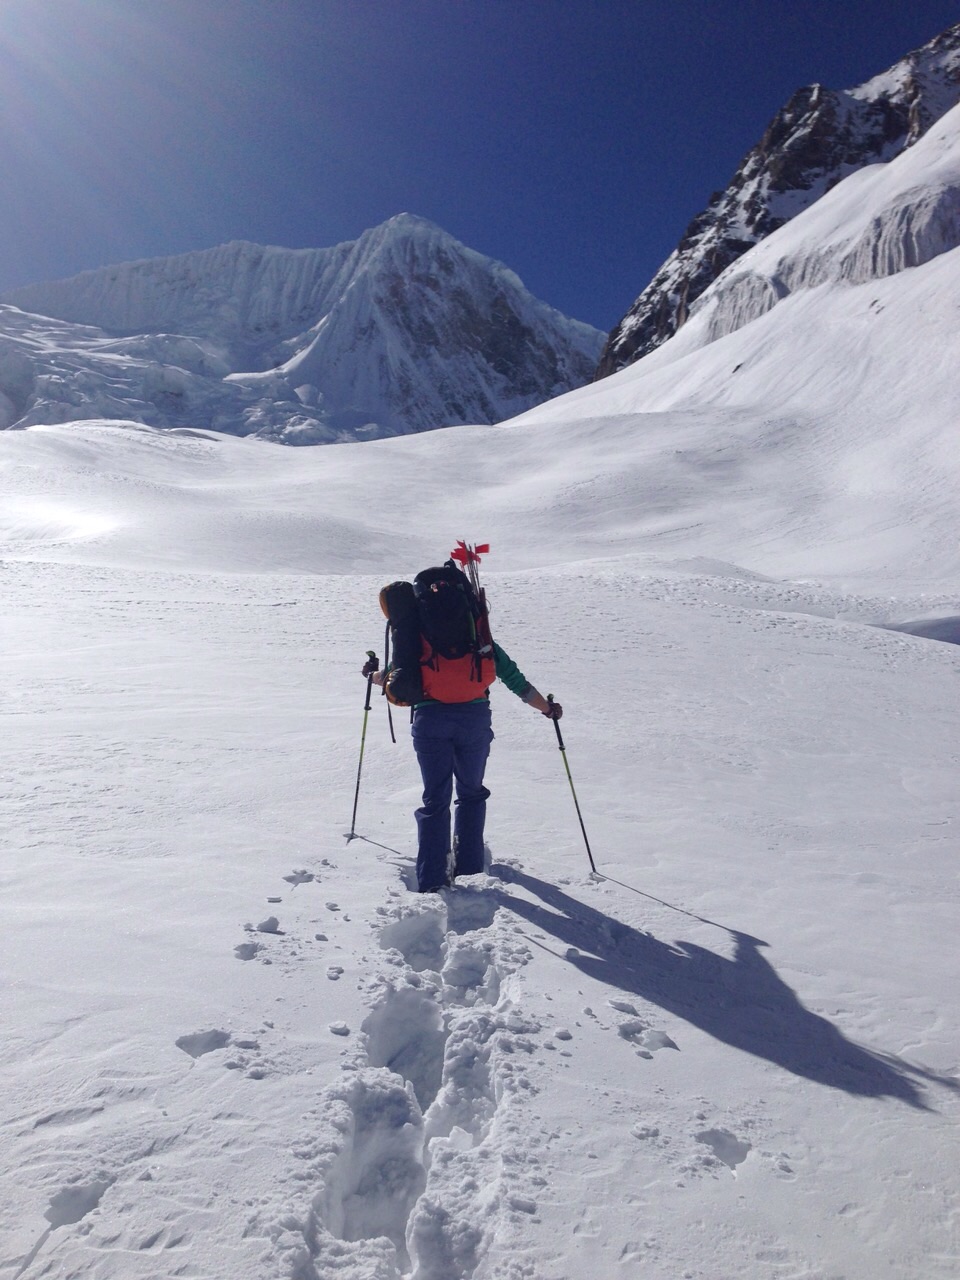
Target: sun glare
<point>98,99</point>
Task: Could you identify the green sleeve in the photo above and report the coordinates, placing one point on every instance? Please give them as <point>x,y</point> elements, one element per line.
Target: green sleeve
<point>510,673</point>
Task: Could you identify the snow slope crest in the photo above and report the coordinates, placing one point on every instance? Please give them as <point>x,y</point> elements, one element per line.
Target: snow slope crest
<point>402,330</point>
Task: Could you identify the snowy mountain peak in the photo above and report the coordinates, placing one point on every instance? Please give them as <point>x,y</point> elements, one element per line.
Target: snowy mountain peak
<point>403,329</point>
<point>925,81</point>
<point>409,224</point>
<point>405,232</point>
<point>817,139</point>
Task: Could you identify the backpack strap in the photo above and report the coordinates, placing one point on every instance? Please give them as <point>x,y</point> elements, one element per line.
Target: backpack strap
<point>383,687</point>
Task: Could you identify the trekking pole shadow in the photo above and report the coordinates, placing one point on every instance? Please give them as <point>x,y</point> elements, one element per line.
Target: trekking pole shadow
<point>407,867</point>
<point>377,845</point>
<point>599,875</point>
<point>505,871</point>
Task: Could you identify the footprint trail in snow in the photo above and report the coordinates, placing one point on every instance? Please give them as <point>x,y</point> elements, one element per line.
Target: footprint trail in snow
<point>408,1160</point>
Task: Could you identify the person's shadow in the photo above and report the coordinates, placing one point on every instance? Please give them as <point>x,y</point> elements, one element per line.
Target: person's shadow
<point>741,1001</point>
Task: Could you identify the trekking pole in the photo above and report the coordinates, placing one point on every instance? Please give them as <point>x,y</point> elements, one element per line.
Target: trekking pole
<point>363,738</point>
<point>566,765</point>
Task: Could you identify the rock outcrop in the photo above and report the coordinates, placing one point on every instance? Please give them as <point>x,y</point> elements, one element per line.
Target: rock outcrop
<point>820,137</point>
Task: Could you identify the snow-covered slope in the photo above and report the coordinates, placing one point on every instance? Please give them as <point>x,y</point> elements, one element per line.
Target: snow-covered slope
<point>816,140</point>
<point>235,1045</point>
<point>402,330</point>
<point>834,343</point>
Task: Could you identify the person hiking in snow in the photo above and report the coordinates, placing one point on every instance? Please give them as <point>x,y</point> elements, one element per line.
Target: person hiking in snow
<point>444,662</point>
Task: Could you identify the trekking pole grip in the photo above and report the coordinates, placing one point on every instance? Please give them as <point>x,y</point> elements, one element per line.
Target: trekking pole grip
<point>373,658</point>
<point>556,724</point>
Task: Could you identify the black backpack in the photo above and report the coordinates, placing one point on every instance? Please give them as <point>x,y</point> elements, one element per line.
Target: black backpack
<point>440,635</point>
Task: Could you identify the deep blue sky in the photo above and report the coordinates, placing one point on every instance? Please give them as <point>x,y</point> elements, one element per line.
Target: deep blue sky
<point>572,139</point>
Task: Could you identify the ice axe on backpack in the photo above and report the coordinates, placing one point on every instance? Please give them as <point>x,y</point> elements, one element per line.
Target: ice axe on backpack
<point>372,665</point>
<point>566,765</point>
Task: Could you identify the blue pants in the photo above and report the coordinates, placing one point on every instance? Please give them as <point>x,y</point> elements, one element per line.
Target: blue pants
<point>452,742</point>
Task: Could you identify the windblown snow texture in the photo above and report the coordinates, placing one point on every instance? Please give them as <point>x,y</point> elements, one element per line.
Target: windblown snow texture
<point>816,140</point>
<point>400,331</point>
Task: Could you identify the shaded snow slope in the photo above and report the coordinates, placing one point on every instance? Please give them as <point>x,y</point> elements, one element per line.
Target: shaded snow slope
<point>403,330</point>
<point>815,141</point>
<point>819,438</point>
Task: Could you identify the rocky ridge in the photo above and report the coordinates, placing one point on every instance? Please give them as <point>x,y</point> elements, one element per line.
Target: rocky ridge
<point>820,137</point>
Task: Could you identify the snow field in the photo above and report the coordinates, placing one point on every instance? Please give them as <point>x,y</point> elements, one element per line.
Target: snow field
<point>736,1055</point>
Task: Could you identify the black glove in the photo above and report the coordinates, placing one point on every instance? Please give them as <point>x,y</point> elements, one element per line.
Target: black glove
<point>371,665</point>
<point>555,712</point>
